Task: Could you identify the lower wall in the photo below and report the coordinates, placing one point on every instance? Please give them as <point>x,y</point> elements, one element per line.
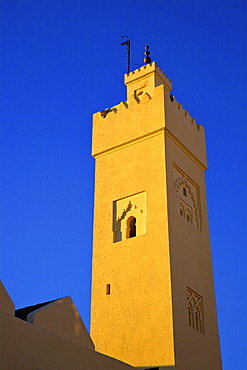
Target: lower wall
<point>26,346</point>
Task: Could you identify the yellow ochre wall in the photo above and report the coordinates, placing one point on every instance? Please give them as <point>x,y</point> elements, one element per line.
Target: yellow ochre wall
<point>53,337</point>
<point>140,146</point>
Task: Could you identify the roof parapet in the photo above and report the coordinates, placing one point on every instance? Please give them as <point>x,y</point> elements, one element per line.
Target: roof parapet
<point>145,79</point>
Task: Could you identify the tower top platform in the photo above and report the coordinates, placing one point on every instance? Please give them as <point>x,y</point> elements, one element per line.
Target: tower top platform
<point>145,78</point>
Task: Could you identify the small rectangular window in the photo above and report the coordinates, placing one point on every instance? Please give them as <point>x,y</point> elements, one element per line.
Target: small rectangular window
<point>108,289</point>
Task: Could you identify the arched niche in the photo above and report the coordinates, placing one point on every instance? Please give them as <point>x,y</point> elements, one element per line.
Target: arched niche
<point>186,200</point>
<point>129,217</point>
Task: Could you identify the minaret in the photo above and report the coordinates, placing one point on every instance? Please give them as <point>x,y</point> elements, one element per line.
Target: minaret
<point>153,301</point>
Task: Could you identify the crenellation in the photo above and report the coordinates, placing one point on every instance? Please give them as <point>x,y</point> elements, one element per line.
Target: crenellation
<point>104,113</point>
<point>146,78</point>
<point>140,69</point>
<point>182,126</point>
<point>124,104</point>
<point>145,98</point>
<point>118,126</point>
<point>185,113</point>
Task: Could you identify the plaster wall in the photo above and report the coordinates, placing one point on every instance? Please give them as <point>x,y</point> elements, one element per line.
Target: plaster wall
<point>128,144</point>
<point>144,320</point>
<point>128,122</point>
<point>191,263</point>
<point>61,317</point>
<point>6,303</point>
<point>124,323</point>
<point>146,78</point>
<point>60,342</point>
<point>26,346</point>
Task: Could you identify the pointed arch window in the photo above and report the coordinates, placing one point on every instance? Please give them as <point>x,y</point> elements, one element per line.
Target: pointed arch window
<point>129,217</point>
<point>131,227</point>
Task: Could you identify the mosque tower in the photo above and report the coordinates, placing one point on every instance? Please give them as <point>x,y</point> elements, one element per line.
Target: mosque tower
<point>153,300</point>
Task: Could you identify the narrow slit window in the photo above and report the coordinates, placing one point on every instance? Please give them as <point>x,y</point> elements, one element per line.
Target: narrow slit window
<point>185,192</point>
<point>108,289</point>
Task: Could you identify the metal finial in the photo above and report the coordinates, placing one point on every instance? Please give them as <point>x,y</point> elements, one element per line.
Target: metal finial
<point>147,58</point>
<point>127,43</point>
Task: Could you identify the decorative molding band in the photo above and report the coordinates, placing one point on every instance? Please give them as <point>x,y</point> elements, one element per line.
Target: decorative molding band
<point>130,142</point>
<point>147,136</point>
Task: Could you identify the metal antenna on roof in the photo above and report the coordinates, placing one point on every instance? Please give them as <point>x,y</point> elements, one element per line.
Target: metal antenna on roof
<point>127,43</point>
<point>147,58</point>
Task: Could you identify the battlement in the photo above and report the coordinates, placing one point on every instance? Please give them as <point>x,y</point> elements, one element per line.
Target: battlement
<point>144,71</point>
<point>145,115</point>
<point>182,128</point>
<point>185,113</point>
<point>145,79</point>
<point>145,98</point>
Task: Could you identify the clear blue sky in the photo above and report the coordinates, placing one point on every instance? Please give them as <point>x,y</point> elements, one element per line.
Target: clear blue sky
<point>61,61</point>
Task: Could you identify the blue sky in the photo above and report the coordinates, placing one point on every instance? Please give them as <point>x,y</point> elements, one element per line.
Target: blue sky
<point>61,61</point>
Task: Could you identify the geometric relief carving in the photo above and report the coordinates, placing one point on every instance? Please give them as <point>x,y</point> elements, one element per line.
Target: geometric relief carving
<point>129,217</point>
<point>186,195</point>
<point>195,310</point>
